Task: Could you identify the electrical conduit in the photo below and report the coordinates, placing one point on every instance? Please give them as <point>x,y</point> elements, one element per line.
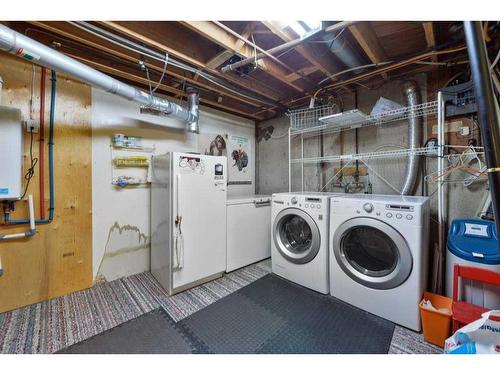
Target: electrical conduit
<point>41,147</point>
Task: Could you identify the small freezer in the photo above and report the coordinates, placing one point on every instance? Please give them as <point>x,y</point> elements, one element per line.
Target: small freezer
<point>248,230</point>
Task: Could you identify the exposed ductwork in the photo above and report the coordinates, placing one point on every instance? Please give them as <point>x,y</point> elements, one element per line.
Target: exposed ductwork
<point>412,97</point>
<point>29,49</point>
<point>342,49</point>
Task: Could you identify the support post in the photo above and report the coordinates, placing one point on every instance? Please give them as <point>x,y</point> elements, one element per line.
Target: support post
<point>487,106</point>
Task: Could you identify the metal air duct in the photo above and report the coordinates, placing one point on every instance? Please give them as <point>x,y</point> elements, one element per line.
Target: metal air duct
<point>343,50</point>
<point>412,97</point>
<point>29,49</point>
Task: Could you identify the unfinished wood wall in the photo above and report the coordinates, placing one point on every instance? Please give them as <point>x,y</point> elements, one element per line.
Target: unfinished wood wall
<point>58,259</point>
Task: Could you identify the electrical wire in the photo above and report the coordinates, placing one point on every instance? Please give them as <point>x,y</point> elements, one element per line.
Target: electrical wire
<point>351,69</point>
<point>162,74</point>
<point>279,136</point>
<point>149,79</point>
<point>31,170</point>
<point>172,62</point>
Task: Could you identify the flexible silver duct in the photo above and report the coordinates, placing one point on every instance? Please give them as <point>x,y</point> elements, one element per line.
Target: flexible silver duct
<point>29,49</point>
<point>412,97</point>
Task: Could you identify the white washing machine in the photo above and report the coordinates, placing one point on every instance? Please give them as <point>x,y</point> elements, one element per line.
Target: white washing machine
<point>299,244</point>
<point>379,253</point>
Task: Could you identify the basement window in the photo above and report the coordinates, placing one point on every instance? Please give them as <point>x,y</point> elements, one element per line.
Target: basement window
<point>302,27</point>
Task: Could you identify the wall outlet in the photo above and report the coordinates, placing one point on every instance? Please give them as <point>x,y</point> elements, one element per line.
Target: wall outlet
<point>32,124</point>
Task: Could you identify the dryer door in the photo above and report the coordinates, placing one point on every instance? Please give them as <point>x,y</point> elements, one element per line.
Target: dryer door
<point>296,236</point>
<point>372,253</point>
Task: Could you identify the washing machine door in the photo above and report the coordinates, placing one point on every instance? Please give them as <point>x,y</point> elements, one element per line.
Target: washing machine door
<point>372,253</point>
<point>296,236</point>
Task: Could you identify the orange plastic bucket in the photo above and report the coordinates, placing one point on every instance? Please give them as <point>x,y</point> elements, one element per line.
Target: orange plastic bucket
<point>436,324</point>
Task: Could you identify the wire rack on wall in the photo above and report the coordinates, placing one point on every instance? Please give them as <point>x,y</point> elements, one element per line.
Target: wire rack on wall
<point>304,118</point>
<point>335,123</point>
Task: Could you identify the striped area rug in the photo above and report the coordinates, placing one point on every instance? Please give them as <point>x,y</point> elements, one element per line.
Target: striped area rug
<point>52,325</point>
<point>49,326</point>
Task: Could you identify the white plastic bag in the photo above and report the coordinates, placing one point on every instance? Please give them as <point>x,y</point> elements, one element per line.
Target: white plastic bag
<point>479,337</point>
<point>383,109</point>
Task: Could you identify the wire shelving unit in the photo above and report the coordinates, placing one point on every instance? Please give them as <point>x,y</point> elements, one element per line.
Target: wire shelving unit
<point>334,123</point>
<point>307,122</point>
<point>310,122</point>
<point>304,118</point>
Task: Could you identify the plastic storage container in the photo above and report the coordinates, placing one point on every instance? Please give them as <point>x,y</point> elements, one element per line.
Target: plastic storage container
<point>436,324</point>
<point>473,243</point>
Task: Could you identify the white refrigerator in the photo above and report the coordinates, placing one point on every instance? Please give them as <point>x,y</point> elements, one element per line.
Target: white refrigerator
<point>188,219</point>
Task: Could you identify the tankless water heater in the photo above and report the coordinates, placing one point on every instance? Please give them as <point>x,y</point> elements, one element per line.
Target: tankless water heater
<point>11,153</point>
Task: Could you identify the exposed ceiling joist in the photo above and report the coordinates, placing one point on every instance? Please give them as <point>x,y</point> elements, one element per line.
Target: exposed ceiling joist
<point>228,41</point>
<point>250,85</point>
<point>144,81</point>
<point>132,59</point>
<point>367,39</point>
<point>218,59</point>
<point>429,36</point>
<point>306,71</point>
<point>223,56</point>
<point>327,66</point>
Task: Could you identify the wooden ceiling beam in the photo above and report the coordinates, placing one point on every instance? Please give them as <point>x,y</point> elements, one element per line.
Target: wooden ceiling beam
<point>159,69</point>
<point>249,85</point>
<point>230,42</point>
<point>306,71</point>
<point>429,34</point>
<point>166,88</point>
<point>367,39</point>
<point>430,37</point>
<point>327,66</point>
<point>218,59</point>
<point>223,56</point>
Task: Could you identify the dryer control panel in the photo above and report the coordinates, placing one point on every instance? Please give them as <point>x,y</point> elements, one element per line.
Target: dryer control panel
<point>397,212</point>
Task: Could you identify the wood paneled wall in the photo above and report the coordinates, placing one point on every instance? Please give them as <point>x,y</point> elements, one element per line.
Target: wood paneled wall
<point>58,259</point>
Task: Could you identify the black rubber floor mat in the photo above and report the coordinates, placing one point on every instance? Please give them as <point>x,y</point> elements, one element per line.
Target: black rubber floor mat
<point>273,315</point>
<point>152,333</point>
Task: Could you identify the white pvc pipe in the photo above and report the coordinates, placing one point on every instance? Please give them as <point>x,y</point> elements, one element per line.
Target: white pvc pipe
<point>32,212</point>
<point>31,232</point>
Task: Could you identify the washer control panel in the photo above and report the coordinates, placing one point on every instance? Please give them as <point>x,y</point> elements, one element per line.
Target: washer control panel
<point>306,202</point>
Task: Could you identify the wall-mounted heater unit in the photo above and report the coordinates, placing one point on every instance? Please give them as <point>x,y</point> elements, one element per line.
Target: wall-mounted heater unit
<point>11,153</point>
